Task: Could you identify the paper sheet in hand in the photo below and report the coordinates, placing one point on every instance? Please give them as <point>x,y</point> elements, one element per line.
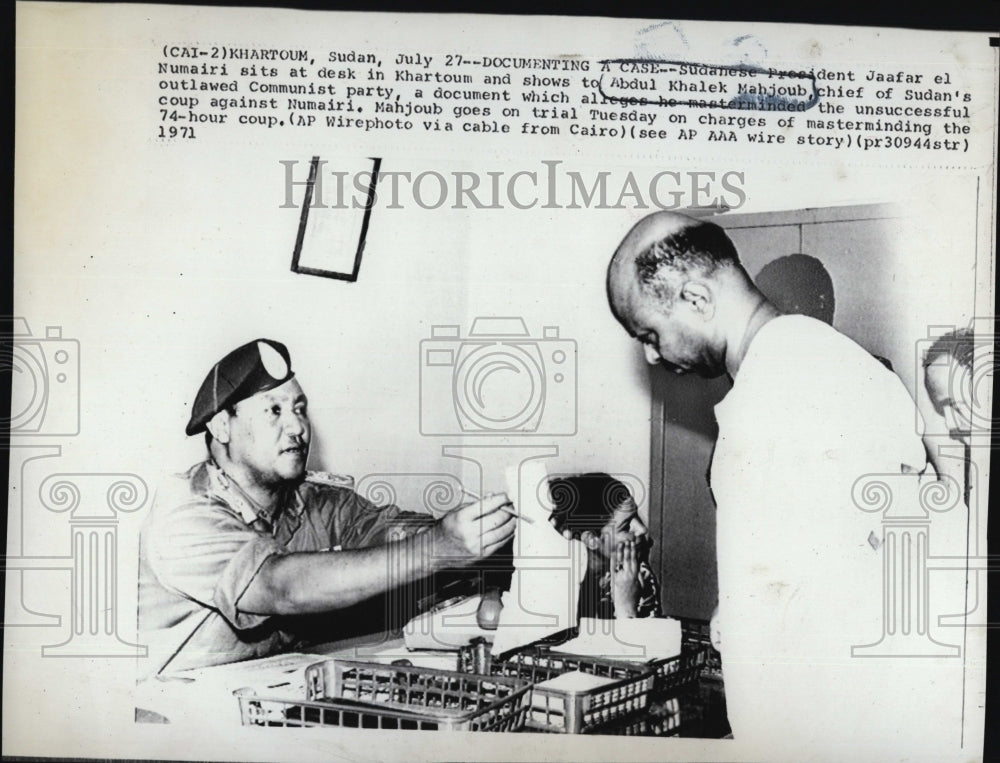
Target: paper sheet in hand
<point>635,639</point>
<point>548,569</point>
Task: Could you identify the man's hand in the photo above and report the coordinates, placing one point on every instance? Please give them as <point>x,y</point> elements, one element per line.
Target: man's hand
<point>474,531</point>
<point>625,580</point>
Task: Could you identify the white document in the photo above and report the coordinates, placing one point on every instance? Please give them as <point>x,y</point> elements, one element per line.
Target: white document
<point>548,568</point>
<point>205,697</point>
<point>574,680</point>
<point>635,638</point>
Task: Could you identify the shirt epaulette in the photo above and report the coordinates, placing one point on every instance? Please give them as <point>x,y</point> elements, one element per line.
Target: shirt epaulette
<point>329,478</point>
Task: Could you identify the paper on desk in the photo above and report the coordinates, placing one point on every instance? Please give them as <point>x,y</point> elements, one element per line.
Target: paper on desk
<point>574,680</point>
<point>203,697</point>
<point>633,639</point>
<point>548,568</point>
<point>280,671</point>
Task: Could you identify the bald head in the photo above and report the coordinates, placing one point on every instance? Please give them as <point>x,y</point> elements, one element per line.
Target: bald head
<point>676,284</point>
<point>662,250</point>
<point>653,228</point>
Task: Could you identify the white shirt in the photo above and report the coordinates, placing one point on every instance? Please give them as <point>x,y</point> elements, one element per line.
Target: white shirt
<point>800,563</point>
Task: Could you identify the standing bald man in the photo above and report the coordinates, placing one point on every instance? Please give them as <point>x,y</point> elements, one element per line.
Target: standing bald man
<point>809,413</point>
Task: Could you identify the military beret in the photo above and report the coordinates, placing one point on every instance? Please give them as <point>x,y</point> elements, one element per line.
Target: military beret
<point>255,367</point>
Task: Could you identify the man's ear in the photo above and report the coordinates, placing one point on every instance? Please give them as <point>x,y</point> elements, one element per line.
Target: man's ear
<point>698,295</point>
<point>218,425</point>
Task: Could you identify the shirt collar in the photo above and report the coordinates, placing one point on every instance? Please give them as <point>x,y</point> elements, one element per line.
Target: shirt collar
<point>225,487</point>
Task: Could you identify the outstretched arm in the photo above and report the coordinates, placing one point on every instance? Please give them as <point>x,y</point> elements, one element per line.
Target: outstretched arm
<point>309,582</point>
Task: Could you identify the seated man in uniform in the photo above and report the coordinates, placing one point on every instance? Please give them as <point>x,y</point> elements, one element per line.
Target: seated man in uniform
<point>238,548</point>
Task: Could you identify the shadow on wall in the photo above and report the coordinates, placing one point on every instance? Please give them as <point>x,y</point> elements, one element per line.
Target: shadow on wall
<point>799,284</point>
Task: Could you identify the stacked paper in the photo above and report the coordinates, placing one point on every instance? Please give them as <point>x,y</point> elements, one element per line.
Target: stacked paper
<point>635,639</point>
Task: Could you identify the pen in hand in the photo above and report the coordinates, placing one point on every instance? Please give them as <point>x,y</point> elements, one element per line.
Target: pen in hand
<point>509,509</point>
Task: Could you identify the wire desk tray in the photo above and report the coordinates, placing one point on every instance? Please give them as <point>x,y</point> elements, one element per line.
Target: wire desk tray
<point>570,711</point>
<point>368,695</point>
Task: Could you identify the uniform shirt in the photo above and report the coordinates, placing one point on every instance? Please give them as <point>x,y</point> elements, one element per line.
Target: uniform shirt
<point>198,554</point>
<point>800,563</point>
